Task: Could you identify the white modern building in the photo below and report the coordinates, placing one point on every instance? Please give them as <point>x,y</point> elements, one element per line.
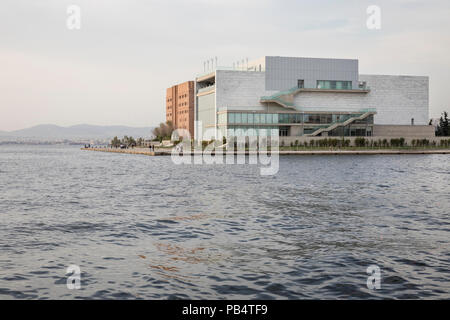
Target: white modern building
<point>290,96</point>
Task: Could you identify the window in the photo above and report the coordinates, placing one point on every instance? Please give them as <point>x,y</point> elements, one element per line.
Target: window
<point>250,118</point>
<point>263,118</point>
<point>275,118</point>
<point>325,118</point>
<point>332,84</point>
<point>231,118</point>
<point>312,118</point>
<point>244,118</point>
<point>237,118</point>
<point>301,84</point>
<point>257,118</point>
<point>262,131</point>
<point>284,131</point>
<point>283,118</point>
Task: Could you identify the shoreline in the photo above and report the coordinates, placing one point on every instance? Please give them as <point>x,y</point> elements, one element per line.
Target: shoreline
<point>143,151</point>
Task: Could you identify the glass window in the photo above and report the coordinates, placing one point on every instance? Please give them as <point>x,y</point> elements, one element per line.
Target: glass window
<point>237,118</point>
<point>331,84</point>
<point>274,131</point>
<point>244,118</point>
<point>312,118</point>
<point>231,118</point>
<point>230,131</point>
<point>262,131</point>
<point>263,118</point>
<point>275,118</point>
<point>269,118</point>
<point>292,118</point>
<point>257,118</point>
<point>250,118</point>
<point>251,132</point>
<point>325,118</point>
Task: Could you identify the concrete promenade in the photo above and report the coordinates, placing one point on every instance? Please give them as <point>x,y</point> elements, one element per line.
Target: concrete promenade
<point>159,152</point>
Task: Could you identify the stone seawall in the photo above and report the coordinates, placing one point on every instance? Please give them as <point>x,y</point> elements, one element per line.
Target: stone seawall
<point>289,152</point>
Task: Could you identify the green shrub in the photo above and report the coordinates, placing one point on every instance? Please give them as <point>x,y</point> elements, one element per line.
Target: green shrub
<point>360,142</point>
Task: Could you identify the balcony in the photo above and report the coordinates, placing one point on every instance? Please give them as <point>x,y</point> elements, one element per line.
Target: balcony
<point>211,88</point>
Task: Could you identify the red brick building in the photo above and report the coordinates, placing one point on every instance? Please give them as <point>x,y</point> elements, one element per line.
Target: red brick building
<point>180,106</point>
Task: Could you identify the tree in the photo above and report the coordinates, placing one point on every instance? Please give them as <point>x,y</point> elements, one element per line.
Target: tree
<point>115,142</point>
<point>129,141</point>
<point>164,131</point>
<point>443,128</point>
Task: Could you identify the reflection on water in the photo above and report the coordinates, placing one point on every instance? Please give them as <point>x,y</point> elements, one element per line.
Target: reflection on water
<point>142,227</point>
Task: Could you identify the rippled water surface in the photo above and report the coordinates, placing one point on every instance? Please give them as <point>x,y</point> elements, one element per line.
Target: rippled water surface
<point>142,227</point>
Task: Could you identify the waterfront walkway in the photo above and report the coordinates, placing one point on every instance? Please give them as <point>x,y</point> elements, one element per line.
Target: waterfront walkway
<point>167,152</point>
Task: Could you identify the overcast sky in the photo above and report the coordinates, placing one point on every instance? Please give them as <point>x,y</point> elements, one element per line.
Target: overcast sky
<point>115,69</point>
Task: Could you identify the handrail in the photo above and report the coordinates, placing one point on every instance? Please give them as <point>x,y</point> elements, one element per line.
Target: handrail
<point>339,124</point>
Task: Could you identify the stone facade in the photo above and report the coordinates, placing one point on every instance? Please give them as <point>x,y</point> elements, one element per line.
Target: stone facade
<point>405,131</point>
<point>397,99</point>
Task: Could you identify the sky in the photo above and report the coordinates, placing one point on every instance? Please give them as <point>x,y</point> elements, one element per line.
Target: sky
<point>115,69</point>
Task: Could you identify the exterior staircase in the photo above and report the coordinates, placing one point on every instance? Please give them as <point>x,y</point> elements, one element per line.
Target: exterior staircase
<point>286,98</point>
<point>341,124</point>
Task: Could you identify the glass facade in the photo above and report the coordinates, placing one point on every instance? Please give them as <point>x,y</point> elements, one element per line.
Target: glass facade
<point>265,124</point>
<point>252,131</point>
<point>262,118</point>
<point>351,131</point>
<point>330,84</point>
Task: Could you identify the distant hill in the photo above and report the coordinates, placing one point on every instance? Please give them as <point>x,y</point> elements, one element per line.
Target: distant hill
<point>81,131</point>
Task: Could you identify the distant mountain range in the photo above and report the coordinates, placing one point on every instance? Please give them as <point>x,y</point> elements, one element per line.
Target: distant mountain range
<point>81,131</point>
